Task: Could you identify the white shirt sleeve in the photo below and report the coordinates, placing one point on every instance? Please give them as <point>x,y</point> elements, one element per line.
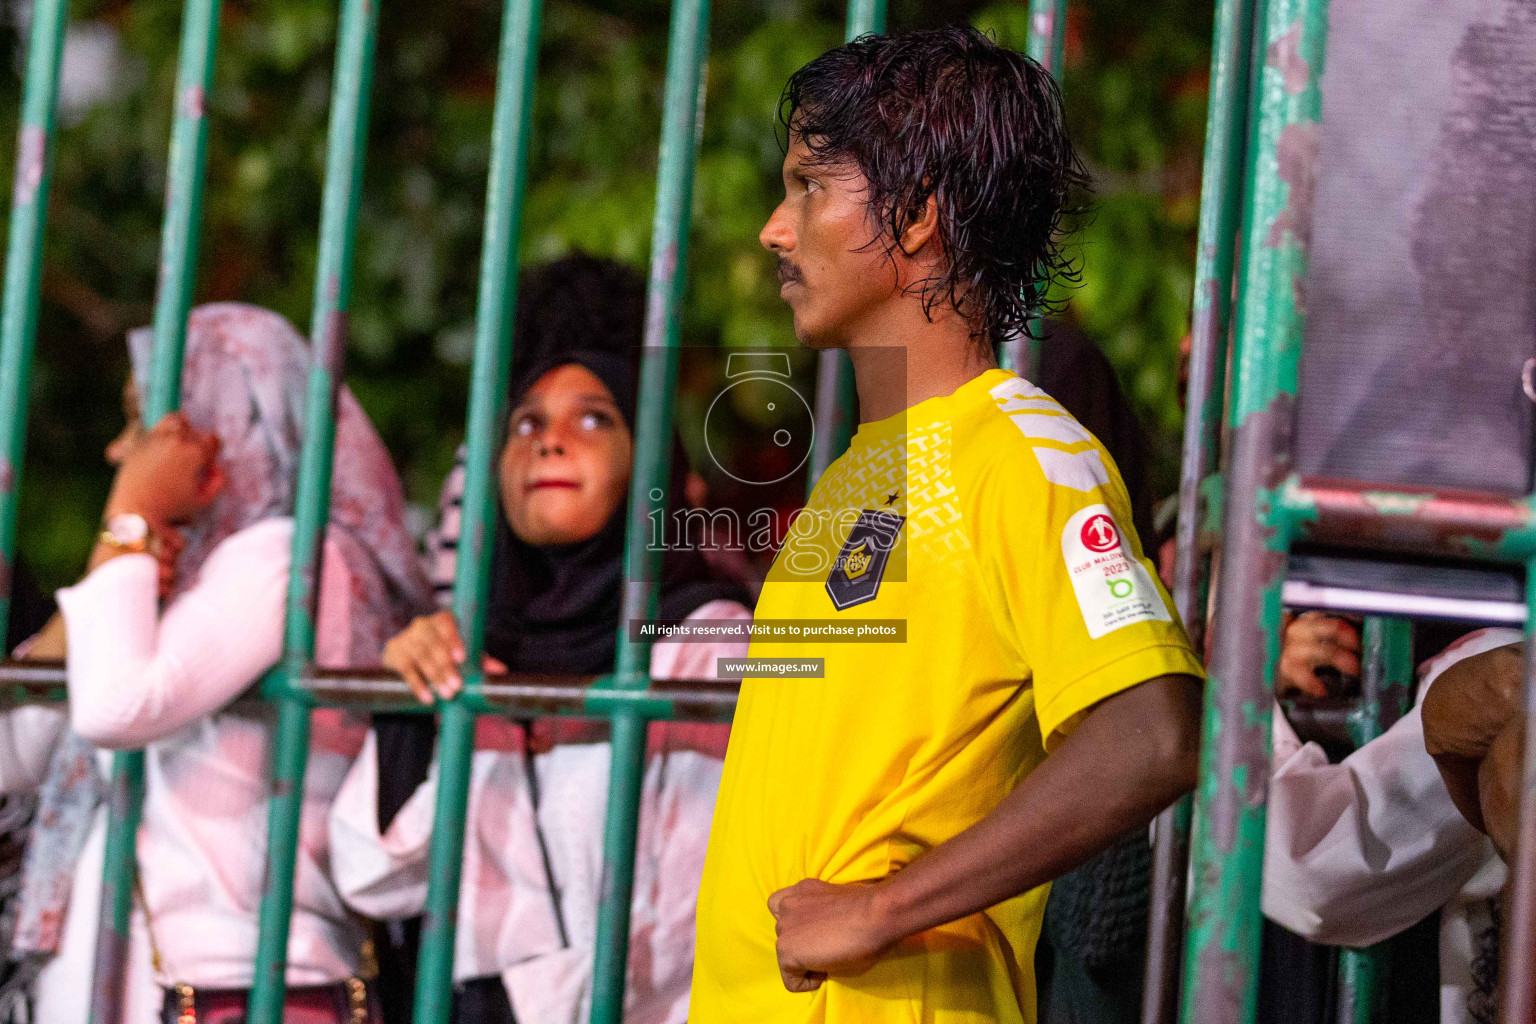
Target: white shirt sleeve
<point>382,876</point>
<point>137,676</point>
<point>1356,852</point>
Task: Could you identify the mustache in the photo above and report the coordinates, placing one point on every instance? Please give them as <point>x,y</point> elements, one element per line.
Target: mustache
<point>788,272</point>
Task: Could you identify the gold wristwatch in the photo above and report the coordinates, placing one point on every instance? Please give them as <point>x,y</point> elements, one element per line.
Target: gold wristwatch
<point>126,531</point>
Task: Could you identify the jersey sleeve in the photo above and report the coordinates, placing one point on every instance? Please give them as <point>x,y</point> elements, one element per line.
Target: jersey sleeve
<point>1051,523</point>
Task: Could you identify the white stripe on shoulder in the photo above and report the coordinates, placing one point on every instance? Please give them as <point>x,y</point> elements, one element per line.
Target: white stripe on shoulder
<point>1081,471</point>
<point>1019,395</point>
<point>1049,427</point>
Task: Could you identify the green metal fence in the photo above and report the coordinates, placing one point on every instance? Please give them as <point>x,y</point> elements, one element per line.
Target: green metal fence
<point>625,697</point>
<point>1264,511</point>
<point>1267,508</point>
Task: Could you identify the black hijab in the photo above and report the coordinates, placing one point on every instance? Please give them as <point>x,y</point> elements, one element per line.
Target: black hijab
<point>555,608</point>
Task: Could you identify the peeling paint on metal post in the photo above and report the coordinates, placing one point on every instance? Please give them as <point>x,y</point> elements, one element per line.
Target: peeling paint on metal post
<point>1221,196</point>
<point>24,263</point>
<point>356,36</point>
<point>1517,969</point>
<point>1222,951</point>
<point>836,399</point>
<point>505,189</point>
<point>682,119</point>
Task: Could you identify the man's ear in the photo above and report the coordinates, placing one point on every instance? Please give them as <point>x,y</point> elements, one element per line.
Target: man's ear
<point>922,226</point>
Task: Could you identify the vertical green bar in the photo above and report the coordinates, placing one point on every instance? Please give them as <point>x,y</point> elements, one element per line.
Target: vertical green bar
<point>183,203</point>
<point>24,263</point>
<point>1047,33</point>
<point>682,124</point>
<point>1222,951</point>
<point>836,399</point>
<point>173,301</point>
<point>864,17</point>
<point>487,409</point>
<point>1388,678</point>
<point>1221,195</point>
<point>346,147</point>
<point>1044,45</point>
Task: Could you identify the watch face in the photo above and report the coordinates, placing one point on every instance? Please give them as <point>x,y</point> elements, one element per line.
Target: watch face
<point>128,528</point>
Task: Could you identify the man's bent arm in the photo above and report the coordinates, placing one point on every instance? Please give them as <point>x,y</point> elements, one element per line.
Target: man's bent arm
<point>1132,755</point>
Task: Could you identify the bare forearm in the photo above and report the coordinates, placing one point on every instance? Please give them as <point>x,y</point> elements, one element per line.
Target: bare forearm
<point>1133,755</point>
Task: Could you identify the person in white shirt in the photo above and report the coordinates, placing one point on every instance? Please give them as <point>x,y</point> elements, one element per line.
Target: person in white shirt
<point>200,515</point>
<point>1358,851</point>
<point>532,869</point>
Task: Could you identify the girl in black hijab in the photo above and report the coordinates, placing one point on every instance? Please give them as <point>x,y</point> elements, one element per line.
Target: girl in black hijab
<point>532,871</point>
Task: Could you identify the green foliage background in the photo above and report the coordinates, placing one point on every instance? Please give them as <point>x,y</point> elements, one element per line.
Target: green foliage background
<point>1135,85</point>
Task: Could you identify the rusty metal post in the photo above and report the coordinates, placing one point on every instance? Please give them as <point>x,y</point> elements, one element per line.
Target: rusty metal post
<point>1222,950</point>
<point>1221,195</point>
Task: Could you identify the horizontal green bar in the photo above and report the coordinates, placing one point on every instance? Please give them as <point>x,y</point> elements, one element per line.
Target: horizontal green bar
<point>713,700</point>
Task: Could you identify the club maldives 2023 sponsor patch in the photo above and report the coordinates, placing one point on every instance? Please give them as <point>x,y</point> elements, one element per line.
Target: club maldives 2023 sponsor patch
<point>1113,589</point>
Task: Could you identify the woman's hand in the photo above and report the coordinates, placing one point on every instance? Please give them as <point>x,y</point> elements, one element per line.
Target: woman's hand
<point>1314,645</point>
<point>826,929</point>
<point>168,475</point>
<point>428,653</point>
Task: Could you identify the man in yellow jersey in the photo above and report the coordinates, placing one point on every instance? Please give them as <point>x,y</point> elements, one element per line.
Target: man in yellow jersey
<point>884,834</point>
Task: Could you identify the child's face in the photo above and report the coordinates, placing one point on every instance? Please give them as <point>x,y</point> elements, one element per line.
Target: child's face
<point>565,469</point>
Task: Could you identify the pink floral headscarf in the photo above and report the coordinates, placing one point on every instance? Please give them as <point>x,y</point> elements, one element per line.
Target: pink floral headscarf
<point>244,375</point>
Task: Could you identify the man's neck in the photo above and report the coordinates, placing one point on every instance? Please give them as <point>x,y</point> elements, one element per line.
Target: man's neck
<point>907,358</point>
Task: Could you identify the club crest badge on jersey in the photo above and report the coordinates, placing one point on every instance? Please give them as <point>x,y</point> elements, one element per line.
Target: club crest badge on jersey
<point>860,565</point>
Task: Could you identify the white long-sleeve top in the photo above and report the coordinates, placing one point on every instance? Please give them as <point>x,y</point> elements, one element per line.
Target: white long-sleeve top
<point>1356,852</point>
<point>162,680</point>
<point>506,922</point>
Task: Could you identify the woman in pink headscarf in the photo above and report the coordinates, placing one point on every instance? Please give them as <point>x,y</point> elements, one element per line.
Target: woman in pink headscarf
<point>200,515</point>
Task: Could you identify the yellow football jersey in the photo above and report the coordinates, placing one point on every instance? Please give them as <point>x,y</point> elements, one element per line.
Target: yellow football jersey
<point>999,530</point>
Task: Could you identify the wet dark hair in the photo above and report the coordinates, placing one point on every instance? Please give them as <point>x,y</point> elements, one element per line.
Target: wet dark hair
<point>949,113</point>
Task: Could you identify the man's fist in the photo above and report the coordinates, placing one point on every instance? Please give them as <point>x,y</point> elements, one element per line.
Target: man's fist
<point>827,929</point>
